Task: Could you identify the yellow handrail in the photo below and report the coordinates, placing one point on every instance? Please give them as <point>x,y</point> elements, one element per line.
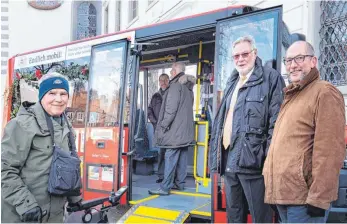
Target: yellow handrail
<point>164,58</point>
<point>197,99</point>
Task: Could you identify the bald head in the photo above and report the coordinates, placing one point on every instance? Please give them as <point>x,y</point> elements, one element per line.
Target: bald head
<point>306,46</point>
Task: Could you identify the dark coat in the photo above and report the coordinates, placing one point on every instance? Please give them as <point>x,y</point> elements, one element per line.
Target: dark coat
<point>175,126</point>
<point>255,113</point>
<point>154,107</point>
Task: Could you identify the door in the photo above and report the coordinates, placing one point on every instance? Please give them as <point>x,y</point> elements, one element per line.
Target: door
<point>105,134</point>
<point>265,27</point>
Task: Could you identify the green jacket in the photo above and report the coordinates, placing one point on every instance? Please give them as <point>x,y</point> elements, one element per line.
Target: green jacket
<point>25,164</point>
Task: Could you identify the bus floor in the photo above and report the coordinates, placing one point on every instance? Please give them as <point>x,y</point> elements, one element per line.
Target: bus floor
<point>141,185</point>
<point>198,205</point>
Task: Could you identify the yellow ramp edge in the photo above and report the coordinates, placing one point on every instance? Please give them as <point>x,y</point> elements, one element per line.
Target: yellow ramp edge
<point>141,219</point>
<point>143,200</point>
<point>202,213</point>
<point>157,213</point>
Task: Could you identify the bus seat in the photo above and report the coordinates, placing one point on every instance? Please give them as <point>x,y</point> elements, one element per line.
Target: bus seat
<point>143,157</point>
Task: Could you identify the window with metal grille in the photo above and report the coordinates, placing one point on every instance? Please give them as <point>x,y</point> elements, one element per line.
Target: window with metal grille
<point>118,15</point>
<point>133,9</point>
<point>86,20</point>
<point>333,44</point>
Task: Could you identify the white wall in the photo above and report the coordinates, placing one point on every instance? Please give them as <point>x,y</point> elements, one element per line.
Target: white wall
<point>32,29</point>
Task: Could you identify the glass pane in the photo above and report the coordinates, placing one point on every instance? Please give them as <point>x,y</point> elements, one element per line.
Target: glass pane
<point>262,27</point>
<point>153,82</point>
<point>141,89</point>
<point>105,85</point>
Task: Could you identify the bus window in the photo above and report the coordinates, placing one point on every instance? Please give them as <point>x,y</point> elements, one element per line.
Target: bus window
<point>105,86</point>
<point>141,96</point>
<point>153,81</point>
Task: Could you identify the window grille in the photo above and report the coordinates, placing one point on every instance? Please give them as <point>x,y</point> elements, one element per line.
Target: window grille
<point>333,43</point>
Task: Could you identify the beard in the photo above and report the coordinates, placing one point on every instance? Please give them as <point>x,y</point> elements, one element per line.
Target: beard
<point>302,75</point>
<point>244,70</point>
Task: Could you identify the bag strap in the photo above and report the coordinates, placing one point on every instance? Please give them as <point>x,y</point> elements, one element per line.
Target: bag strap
<point>51,130</point>
<point>50,127</point>
<point>71,137</point>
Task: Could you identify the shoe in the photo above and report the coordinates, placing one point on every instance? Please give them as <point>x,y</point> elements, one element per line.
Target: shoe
<point>159,181</point>
<point>158,192</point>
<point>175,187</point>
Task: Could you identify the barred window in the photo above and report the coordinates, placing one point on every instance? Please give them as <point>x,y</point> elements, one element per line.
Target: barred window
<point>86,20</point>
<point>333,44</point>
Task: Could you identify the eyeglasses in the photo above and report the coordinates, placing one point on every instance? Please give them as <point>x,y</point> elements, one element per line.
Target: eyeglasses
<point>297,59</point>
<point>243,55</point>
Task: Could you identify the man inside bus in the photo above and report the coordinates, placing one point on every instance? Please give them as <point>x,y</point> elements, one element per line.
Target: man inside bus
<point>153,115</point>
<point>175,129</point>
<point>242,132</point>
<point>305,157</point>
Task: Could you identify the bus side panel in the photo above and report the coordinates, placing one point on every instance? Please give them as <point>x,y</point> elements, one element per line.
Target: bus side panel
<point>100,155</point>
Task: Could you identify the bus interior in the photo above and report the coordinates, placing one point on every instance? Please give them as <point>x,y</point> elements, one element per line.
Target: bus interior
<point>196,51</point>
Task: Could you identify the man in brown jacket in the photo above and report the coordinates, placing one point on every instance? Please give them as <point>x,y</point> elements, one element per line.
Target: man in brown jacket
<point>307,149</point>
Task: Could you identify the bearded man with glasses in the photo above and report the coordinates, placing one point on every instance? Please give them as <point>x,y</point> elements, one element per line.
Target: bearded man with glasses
<point>307,150</point>
<point>242,132</point>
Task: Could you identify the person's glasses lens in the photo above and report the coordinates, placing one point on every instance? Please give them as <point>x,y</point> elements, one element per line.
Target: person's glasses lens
<point>245,55</point>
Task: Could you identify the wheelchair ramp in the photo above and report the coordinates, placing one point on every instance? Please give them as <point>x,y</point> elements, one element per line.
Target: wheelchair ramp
<point>145,214</point>
<point>178,207</point>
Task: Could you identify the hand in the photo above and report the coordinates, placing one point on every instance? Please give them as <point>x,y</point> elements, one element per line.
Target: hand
<point>33,215</point>
<point>76,204</point>
<point>315,211</point>
<point>71,207</point>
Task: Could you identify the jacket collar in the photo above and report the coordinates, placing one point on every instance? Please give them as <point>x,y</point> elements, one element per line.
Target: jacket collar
<point>39,113</point>
<point>313,75</point>
<point>175,79</point>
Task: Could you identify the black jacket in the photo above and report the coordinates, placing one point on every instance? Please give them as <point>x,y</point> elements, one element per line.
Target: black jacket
<point>175,126</point>
<point>255,113</point>
<point>154,107</point>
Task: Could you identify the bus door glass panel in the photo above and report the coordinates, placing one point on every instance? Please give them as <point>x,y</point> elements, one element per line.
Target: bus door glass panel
<point>263,26</point>
<point>102,131</point>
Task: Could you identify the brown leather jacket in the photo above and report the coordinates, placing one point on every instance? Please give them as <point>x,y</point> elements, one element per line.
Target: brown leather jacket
<point>307,148</point>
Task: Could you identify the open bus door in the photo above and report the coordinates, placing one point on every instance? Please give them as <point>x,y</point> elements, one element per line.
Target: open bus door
<point>266,28</point>
<point>105,132</point>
